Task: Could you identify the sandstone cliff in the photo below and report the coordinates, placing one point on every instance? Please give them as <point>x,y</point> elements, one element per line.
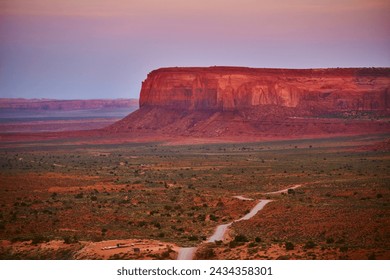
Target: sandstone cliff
<point>236,101</point>
<point>236,88</point>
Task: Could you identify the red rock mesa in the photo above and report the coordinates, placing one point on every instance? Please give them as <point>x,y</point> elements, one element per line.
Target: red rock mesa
<point>235,88</point>
<point>212,101</point>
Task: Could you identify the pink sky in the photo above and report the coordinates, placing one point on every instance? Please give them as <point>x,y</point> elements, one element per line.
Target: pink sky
<point>98,48</point>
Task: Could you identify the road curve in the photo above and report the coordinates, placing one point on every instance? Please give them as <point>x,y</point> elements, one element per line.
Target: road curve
<point>188,253</point>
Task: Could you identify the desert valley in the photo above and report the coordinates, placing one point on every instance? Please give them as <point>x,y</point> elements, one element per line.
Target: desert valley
<point>216,163</point>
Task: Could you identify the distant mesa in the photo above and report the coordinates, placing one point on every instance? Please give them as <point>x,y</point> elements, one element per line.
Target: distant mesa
<point>64,105</point>
<point>19,115</point>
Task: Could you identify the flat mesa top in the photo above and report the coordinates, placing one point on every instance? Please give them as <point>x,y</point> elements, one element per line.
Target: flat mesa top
<point>363,71</point>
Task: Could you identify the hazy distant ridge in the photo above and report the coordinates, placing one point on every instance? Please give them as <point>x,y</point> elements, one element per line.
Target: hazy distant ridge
<point>66,105</point>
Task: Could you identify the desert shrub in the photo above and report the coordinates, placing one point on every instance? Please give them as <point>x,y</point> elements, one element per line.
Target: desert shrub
<point>165,255</point>
<point>141,223</point>
<point>19,239</point>
<point>291,191</point>
<point>252,244</point>
<point>39,239</point>
<point>202,217</point>
<point>329,240</point>
<point>257,239</point>
<point>193,238</point>
<point>309,245</point>
<point>241,238</point>
<point>289,246</point>
<point>79,195</point>
<point>213,218</point>
<point>343,249</point>
<point>205,254</point>
<point>70,239</point>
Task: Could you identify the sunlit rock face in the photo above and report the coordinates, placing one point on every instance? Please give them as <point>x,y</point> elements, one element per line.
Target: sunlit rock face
<point>245,102</point>
<point>236,88</point>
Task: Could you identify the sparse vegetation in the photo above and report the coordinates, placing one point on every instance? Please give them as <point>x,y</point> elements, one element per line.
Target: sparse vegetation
<point>180,193</point>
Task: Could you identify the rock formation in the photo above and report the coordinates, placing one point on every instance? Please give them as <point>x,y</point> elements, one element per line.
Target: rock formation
<point>237,88</point>
<point>235,101</point>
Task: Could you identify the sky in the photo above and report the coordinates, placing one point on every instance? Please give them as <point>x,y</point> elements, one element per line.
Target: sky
<point>83,49</point>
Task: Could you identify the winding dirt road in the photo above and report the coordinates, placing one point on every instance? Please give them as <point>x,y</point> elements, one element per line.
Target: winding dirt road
<point>188,253</point>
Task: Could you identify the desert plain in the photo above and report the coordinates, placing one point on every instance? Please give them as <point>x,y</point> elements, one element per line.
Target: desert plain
<point>131,190</point>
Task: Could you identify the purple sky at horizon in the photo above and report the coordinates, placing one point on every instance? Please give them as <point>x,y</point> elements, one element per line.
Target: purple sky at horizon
<point>72,49</point>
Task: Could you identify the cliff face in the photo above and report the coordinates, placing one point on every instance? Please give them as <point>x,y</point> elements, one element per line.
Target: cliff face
<point>236,88</point>
<point>244,102</point>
